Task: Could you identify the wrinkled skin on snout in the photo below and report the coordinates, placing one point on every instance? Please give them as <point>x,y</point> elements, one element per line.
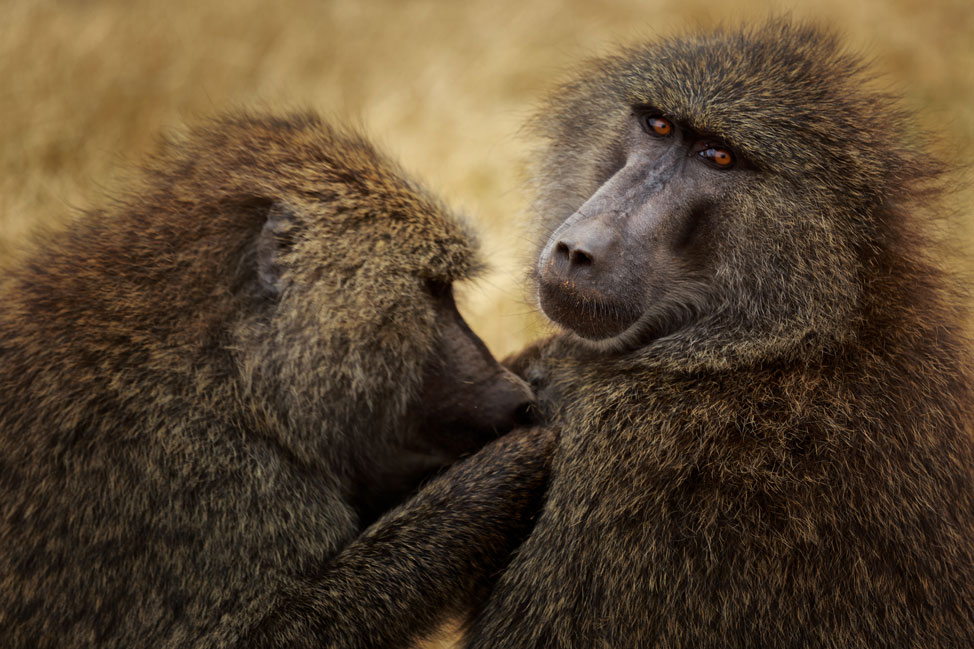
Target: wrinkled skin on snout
<point>635,259</point>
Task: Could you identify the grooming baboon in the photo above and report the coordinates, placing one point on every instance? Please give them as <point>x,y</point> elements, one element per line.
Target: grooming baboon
<point>765,390</point>
<point>209,387</point>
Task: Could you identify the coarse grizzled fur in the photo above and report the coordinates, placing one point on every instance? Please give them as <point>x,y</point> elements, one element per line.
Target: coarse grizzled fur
<point>794,466</point>
<point>181,419</point>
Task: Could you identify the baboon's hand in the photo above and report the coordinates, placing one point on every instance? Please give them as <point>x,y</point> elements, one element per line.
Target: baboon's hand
<point>527,363</point>
<point>521,458</point>
<point>534,365</point>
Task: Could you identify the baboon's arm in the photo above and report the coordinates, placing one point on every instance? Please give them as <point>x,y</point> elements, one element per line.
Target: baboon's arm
<point>434,555</point>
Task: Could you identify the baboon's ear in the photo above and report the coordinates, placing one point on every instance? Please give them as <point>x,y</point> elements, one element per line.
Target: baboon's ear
<point>273,242</point>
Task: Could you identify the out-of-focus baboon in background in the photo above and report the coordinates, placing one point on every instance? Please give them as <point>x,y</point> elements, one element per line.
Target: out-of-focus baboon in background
<point>766,388</point>
<point>208,390</point>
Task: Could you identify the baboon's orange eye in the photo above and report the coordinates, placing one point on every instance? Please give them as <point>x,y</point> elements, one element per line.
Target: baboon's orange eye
<point>718,156</point>
<point>659,126</point>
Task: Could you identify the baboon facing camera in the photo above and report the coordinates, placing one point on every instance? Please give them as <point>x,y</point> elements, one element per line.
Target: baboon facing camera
<point>210,388</point>
<point>765,386</point>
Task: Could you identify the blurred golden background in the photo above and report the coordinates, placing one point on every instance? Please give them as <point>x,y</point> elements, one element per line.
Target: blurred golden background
<point>88,87</point>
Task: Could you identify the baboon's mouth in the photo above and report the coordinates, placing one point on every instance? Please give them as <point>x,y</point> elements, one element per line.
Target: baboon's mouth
<point>591,316</point>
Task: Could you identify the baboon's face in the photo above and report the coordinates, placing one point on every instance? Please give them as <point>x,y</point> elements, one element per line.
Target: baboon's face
<point>638,252</point>
<point>659,236</point>
<point>374,333</point>
<point>466,398</point>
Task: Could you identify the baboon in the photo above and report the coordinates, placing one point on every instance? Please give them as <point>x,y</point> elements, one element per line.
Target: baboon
<point>210,387</point>
<point>765,387</point>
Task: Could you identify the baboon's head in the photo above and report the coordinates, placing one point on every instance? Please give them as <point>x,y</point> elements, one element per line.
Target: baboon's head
<point>342,274</point>
<point>718,195</point>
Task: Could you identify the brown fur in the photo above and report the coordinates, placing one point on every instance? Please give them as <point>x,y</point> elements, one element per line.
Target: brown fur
<point>194,383</point>
<point>793,466</point>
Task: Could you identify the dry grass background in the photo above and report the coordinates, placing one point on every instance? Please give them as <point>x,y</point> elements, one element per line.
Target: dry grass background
<point>87,87</point>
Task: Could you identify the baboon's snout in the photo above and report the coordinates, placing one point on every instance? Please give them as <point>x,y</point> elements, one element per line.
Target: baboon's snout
<point>509,403</point>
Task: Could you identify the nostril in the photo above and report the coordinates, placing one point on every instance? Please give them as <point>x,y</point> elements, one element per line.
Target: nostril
<point>575,257</point>
<point>581,258</point>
